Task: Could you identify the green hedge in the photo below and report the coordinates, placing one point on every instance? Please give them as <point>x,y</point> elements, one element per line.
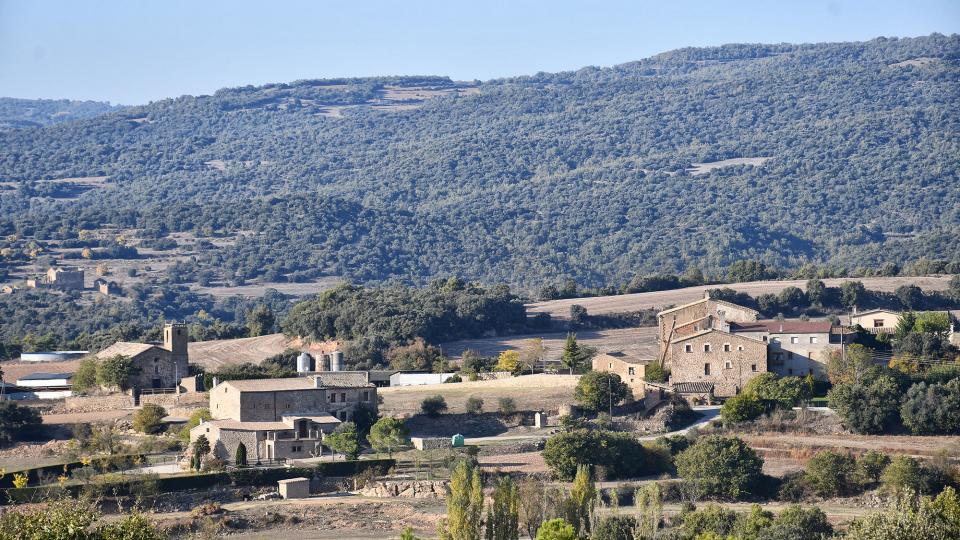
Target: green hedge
<point>103,464</point>
<point>237,477</point>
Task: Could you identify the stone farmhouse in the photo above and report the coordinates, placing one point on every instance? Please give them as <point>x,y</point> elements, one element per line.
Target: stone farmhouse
<point>158,366</point>
<point>283,418</point>
<point>715,347</point>
<point>60,277</point>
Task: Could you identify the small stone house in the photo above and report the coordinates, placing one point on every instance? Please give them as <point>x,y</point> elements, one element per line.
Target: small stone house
<point>283,418</point>
<point>722,359</point>
<point>630,369</point>
<point>876,321</point>
<point>158,365</point>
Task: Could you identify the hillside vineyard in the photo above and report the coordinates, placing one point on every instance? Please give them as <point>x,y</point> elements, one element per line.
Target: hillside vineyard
<point>843,153</point>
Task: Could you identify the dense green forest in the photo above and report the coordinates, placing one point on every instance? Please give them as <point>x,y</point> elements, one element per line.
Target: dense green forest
<point>25,113</point>
<point>531,180</point>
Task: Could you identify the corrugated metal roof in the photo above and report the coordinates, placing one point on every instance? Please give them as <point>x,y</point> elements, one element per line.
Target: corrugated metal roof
<point>41,376</point>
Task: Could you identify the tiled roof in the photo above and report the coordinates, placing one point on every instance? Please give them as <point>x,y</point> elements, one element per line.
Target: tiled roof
<point>271,385</point>
<point>671,310</point>
<point>328,379</point>
<point>318,418</point>
<point>40,376</point>
<point>872,311</point>
<point>342,379</point>
<point>246,426</point>
<point>784,327</point>
<point>625,357</point>
<point>709,330</point>
<point>698,387</point>
<point>125,348</point>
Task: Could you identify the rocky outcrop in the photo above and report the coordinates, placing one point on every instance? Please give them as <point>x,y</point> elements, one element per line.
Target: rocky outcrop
<point>408,489</point>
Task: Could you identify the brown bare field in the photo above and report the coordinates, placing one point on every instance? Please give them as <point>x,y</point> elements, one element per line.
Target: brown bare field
<point>222,352</point>
<point>530,392</point>
<point>258,290</point>
<point>639,342</point>
<point>599,305</point>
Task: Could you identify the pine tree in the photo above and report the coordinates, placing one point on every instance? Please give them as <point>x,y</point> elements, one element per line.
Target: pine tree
<point>503,514</point>
<point>572,355</point>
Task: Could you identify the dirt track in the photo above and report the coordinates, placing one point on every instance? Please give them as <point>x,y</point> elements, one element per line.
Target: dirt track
<point>633,302</point>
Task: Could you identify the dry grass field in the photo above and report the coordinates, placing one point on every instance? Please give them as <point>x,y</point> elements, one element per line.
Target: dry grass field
<point>599,305</point>
<point>640,342</point>
<point>222,352</point>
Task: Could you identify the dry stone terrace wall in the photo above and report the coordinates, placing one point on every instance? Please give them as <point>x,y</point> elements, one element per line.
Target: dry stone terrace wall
<point>113,402</point>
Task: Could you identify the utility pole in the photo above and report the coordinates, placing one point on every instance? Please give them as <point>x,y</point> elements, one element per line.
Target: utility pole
<point>609,396</point>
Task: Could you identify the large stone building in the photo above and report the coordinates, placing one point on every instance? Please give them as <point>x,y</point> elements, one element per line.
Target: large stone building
<point>718,359</point>
<point>156,365</point>
<point>283,418</point>
<point>794,347</point>
<point>697,316</point>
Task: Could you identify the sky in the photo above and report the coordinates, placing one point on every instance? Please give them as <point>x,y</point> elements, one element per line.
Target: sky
<point>133,52</point>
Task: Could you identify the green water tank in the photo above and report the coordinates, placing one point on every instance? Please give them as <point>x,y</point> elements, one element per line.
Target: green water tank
<point>457,441</point>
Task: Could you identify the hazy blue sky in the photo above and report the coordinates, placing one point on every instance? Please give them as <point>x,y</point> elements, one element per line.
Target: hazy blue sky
<point>131,52</point>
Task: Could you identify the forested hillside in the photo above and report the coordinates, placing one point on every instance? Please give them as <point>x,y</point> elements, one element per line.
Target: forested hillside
<point>24,113</point>
<point>843,154</point>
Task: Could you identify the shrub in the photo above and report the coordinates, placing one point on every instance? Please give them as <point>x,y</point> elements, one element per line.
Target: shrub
<point>507,406</point>
<point>615,528</point>
<point>911,520</point>
<point>868,406</point>
<point>622,455</point>
<point>798,523</point>
<point>599,390</point>
<point>556,529</point>
<point>474,405</point>
<point>85,377</point>
<point>240,458</point>
<point>902,474</point>
<point>17,422</point>
<point>742,408</point>
<point>149,419</point>
<point>830,474</point>
<point>433,406</point>
<point>784,392</point>
<point>794,487</point>
<point>712,519</point>
<point>722,466</point>
<point>932,409</point>
<point>196,417</point>
<point>115,372</point>
<point>654,372</point>
<point>870,466</point>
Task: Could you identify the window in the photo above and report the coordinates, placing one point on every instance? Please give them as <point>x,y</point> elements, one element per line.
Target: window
<point>727,365</point>
<point>794,339</point>
<point>610,365</point>
<point>333,398</point>
<point>631,371</point>
<point>764,339</point>
<point>739,347</point>
<point>156,369</point>
<point>688,348</point>
<point>789,356</point>
<point>790,371</point>
<point>775,340</point>
<point>706,369</point>
<point>706,347</point>
<point>286,406</point>
<point>813,339</point>
<point>878,323</point>
<point>343,397</point>
<point>753,367</point>
<point>366,395</point>
<point>726,347</point>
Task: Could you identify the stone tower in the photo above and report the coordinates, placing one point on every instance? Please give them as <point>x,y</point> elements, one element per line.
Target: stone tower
<point>175,341</point>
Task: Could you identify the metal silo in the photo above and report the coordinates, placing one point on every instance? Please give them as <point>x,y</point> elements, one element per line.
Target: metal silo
<point>304,362</point>
<point>336,361</point>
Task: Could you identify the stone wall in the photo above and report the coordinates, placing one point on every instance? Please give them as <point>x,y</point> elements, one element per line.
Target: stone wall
<point>409,489</point>
<point>113,402</point>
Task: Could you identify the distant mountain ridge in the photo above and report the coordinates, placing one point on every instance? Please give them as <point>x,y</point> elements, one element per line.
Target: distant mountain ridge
<point>16,113</point>
<point>842,153</point>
